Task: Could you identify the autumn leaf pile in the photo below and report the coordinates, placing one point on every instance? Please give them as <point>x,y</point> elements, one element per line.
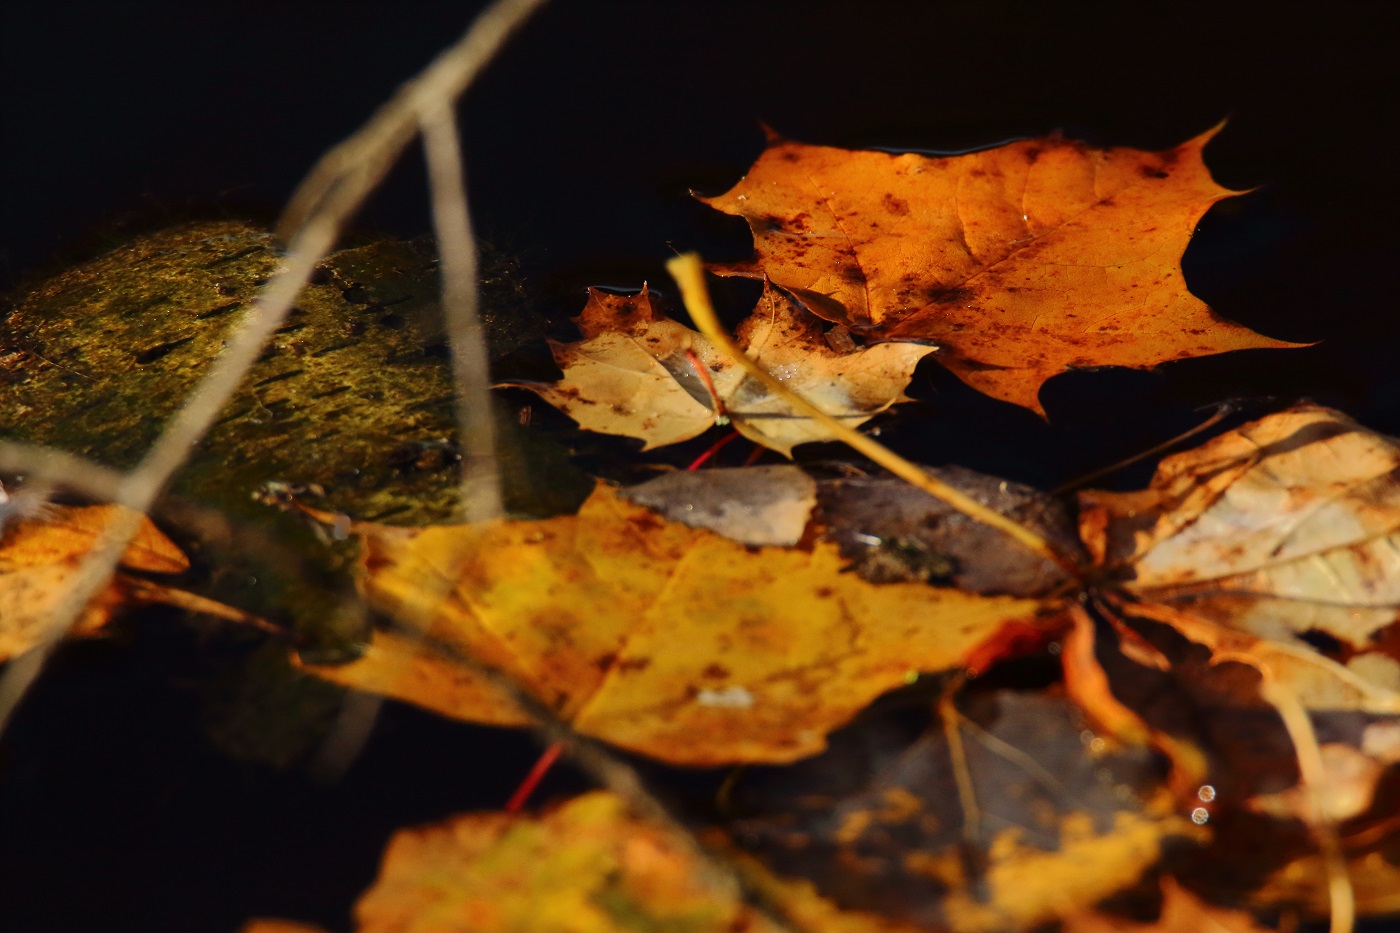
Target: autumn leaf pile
<point>1225,644</point>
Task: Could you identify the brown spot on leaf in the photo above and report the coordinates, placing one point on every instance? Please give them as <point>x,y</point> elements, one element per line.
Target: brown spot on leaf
<point>897,206</point>
<point>948,294</point>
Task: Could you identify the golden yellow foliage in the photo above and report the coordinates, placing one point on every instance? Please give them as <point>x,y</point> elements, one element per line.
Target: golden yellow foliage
<point>39,557</point>
<point>664,639</point>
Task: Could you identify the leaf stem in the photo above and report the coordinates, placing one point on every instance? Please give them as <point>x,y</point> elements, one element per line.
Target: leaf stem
<point>962,773</point>
<point>713,449</point>
<point>532,780</point>
<point>1312,779</point>
<point>689,273</point>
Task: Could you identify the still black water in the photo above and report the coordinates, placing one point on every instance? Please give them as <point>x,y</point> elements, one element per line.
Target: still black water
<point>583,141</point>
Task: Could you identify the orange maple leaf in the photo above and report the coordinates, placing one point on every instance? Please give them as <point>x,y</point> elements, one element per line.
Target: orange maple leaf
<point>1020,262</point>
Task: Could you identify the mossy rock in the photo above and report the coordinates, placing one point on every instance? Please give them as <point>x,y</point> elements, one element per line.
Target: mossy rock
<point>353,395</point>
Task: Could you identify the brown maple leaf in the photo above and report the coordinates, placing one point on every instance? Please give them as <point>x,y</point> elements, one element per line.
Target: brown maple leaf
<point>1275,547</point>
<point>1020,262</point>
<point>876,823</point>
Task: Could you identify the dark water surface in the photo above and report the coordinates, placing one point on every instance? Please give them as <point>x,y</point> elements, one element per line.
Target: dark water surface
<point>582,143</point>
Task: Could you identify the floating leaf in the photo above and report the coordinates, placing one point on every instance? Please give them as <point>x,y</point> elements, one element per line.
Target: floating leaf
<point>39,558</point>
<point>586,866</point>
<point>1056,825</point>
<point>1267,541</point>
<point>892,531</point>
<point>640,374</point>
<point>1180,911</point>
<point>760,505</point>
<point>1020,262</point>
<point>665,639</point>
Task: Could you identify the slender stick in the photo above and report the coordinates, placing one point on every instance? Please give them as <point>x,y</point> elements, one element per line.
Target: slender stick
<point>59,469</point>
<point>1221,412</point>
<point>962,773</point>
<point>1312,773</point>
<point>461,306</point>
<point>689,274</point>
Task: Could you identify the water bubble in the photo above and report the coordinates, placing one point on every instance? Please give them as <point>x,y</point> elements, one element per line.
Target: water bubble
<point>1206,793</point>
<point>1200,816</point>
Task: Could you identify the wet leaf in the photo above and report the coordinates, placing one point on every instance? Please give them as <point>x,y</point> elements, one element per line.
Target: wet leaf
<point>1056,824</point>
<point>1263,850</point>
<point>1180,911</point>
<point>1020,262</point>
<point>668,640</point>
<point>586,866</point>
<point>1258,565</point>
<point>1278,544</point>
<point>892,531</point>
<point>759,505</point>
<point>39,557</point>
<point>631,374</point>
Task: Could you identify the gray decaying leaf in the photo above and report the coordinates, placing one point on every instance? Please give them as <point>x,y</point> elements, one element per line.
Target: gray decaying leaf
<point>767,505</point>
<point>894,532</point>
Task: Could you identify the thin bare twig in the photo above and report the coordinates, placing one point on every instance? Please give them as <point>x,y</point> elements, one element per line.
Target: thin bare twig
<point>1222,411</point>
<point>480,497</point>
<point>962,772</point>
<point>49,470</point>
<point>56,468</point>
<point>1312,778</point>
<point>461,306</point>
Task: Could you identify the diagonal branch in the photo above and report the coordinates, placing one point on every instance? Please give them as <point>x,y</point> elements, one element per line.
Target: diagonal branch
<point>461,306</point>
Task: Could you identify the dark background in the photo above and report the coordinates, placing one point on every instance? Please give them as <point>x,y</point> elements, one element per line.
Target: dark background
<point>582,143</point>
